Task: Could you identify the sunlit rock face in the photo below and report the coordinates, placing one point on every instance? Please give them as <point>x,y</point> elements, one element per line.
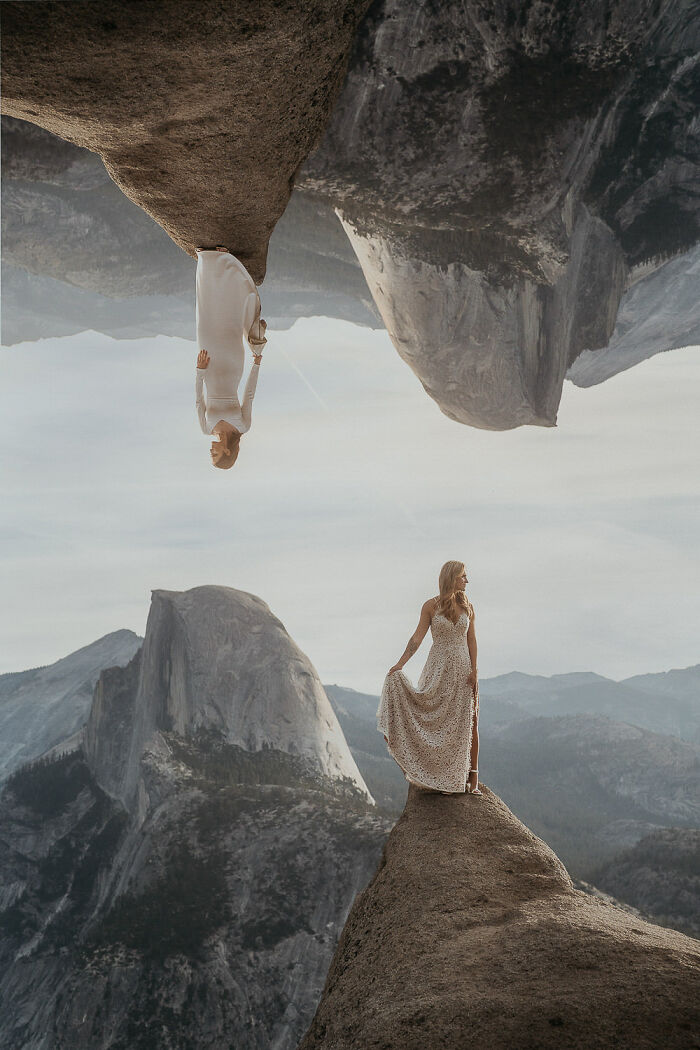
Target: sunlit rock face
<point>494,356</point>
<point>202,113</point>
<point>214,660</point>
<point>471,933</point>
<point>529,159</point>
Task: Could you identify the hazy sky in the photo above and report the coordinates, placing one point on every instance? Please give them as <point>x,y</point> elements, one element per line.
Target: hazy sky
<point>349,493</point>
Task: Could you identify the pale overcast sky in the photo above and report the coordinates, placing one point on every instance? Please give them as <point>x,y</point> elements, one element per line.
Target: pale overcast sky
<point>350,492</point>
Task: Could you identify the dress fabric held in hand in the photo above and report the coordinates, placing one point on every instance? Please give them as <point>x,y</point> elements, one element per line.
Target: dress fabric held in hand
<point>429,729</point>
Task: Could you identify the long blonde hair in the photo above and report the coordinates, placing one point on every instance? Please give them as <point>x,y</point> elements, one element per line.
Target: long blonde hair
<point>452,602</point>
<point>232,446</point>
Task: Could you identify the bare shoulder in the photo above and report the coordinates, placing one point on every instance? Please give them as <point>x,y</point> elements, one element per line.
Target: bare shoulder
<point>429,607</point>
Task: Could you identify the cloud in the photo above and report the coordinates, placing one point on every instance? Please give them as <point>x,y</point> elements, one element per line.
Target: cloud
<point>350,491</point>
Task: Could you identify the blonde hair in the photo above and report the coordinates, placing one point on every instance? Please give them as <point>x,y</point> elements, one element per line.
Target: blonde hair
<point>230,453</point>
<point>452,602</point>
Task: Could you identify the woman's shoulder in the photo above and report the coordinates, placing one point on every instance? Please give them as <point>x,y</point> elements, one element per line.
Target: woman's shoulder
<point>430,606</point>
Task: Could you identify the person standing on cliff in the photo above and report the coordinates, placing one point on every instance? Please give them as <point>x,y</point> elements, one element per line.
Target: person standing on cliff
<point>228,316</point>
<point>432,732</point>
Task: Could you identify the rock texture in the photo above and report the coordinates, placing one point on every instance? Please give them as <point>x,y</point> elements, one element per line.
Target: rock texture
<point>202,114</point>
<point>215,660</point>
<point>78,254</point>
<point>183,880</point>
<point>505,172</point>
<point>511,178</point>
<point>46,705</point>
<point>660,311</point>
<point>471,933</point>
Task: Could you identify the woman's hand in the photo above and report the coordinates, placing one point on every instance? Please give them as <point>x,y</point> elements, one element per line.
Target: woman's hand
<point>396,667</point>
<point>257,358</point>
<point>473,682</point>
<point>203,359</point>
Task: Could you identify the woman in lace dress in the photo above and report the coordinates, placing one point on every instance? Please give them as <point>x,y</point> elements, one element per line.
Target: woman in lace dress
<point>228,316</point>
<point>432,731</point>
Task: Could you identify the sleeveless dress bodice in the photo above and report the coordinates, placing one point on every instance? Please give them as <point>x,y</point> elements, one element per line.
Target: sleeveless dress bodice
<point>429,728</point>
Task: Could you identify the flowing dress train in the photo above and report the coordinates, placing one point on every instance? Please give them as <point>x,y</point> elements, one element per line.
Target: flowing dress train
<point>429,729</point>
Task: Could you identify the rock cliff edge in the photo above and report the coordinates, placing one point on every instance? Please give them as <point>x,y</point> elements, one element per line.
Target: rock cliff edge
<point>471,933</point>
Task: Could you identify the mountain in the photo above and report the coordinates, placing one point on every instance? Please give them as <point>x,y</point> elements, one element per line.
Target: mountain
<point>471,931</point>
<point>44,706</point>
<point>182,879</point>
<point>216,660</point>
<point>507,177</point>
<point>590,786</point>
<point>659,875</point>
<point>634,700</point>
<point>659,311</point>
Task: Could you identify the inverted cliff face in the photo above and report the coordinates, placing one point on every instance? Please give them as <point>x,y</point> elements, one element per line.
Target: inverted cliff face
<point>78,254</point>
<point>215,660</point>
<point>660,311</point>
<point>472,932</point>
<point>201,114</point>
<point>507,175</point>
<point>46,705</point>
<point>494,356</point>
<point>504,175</point>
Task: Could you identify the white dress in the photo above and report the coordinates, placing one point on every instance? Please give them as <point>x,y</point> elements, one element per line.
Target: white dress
<point>429,729</point>
<point>228,316</point>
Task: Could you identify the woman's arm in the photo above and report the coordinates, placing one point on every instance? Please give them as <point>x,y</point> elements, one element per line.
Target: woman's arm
<point>426,615</point>
<point>202,362</point>
<point>249,392</point>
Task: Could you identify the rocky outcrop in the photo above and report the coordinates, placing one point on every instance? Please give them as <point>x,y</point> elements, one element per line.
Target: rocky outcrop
<point>190,871</point>
<point>202,114</point>
<point>215,660</point>
<point>44,706</point>
<point>471,932</point>
<point>504,174</point>
<point>78,254</point>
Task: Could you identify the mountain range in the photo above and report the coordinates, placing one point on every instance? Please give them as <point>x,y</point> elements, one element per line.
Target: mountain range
<point>178,874</point>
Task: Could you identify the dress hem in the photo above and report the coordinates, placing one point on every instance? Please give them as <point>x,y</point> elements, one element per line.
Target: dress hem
<point>418,783</point>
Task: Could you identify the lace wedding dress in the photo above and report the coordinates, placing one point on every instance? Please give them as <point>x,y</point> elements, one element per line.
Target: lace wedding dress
<point>429,729</point>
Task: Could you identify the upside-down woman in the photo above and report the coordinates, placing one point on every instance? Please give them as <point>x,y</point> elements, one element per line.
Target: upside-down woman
<point>228,317</point>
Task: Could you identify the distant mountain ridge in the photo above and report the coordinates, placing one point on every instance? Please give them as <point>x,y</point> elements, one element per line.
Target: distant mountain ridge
<point>42,706</point>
